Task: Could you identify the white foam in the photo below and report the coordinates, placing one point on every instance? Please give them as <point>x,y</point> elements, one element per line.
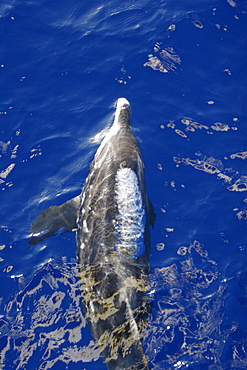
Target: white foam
<point>85,226</point>
<point>130,221</point>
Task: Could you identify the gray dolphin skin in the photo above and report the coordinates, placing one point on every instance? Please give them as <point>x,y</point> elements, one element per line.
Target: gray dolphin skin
<point>112,217</point>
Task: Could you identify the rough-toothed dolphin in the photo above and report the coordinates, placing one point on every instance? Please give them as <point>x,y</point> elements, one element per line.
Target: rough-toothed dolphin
<point>112,217</point>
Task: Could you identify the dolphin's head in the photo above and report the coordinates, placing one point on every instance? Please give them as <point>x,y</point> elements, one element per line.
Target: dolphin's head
<point>122,114</point>
<point>121,120</point>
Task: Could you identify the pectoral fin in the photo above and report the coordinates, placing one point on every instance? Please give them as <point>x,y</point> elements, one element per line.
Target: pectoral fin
<point>53,219</point>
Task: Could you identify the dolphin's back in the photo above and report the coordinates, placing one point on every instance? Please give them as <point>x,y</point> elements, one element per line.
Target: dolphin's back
<point>98,207</point>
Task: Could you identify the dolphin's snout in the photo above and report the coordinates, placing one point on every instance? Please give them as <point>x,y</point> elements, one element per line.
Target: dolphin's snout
<point>121,103</point>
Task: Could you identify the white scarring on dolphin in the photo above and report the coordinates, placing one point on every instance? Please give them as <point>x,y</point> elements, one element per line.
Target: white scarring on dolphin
<point>112,217</point>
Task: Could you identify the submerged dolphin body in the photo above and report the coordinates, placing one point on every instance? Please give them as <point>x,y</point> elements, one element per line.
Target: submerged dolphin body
<point>112,217</point>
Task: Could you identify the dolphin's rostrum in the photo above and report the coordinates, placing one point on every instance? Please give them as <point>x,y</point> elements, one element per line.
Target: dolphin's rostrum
<point>112,217</point>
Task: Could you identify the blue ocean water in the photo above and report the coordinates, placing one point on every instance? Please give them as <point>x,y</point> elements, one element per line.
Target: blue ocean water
<point>182,66</point>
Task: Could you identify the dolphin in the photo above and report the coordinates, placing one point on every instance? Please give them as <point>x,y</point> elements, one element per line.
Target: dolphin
<point>111,217</point>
